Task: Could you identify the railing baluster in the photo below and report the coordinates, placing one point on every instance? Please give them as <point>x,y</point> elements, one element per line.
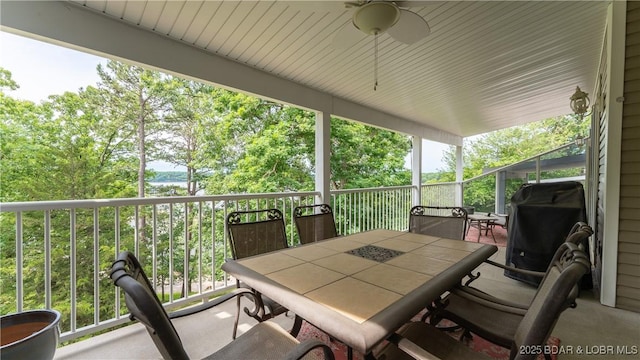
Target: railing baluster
<point>213,245</point>
<point>47,259</point>
<point>170,275</point>
<point>136,232</point>
<point>200,275</point>
<point>72,220</point>
<point>19,267</point>
<point>96,267</point>
<point>116,225</point>
<point>154,249</point>
<point>185,258</point>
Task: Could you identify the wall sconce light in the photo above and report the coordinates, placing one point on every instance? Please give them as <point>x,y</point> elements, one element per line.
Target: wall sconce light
<point>580,103</point>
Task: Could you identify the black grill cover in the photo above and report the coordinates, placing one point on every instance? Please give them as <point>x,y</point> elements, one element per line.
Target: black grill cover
<point>541,217</point>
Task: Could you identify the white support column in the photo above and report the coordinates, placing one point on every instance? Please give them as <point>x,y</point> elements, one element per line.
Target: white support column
<point>323,146</point>
<point>459,176</point>
<point>501,185</point>
<point>616,39</point>
<point>416,170</point>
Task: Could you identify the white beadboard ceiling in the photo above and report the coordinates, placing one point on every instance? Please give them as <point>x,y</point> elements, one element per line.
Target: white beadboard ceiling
<point>486,65</point>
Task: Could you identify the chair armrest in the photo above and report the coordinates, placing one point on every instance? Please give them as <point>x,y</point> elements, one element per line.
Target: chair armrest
<point>410,348</point>
<point>215,302</point>
<point>521,271</point>
<point>489,301</point>
<point>305,347</point>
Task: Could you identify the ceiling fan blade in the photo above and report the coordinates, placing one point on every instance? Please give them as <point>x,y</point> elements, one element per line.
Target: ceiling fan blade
<point>347,36</point>
<point>410,28</point>
<point>316,6</point>
<point>416,3</point>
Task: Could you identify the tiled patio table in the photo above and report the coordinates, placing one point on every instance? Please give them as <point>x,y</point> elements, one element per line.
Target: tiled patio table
<point>361,288</point>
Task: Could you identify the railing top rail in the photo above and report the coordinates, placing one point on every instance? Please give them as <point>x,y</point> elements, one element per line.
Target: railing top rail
<point>441,183</point>
<point>96,203</point>
<point>382,188</point>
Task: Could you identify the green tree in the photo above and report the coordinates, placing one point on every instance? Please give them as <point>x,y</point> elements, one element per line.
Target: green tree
<point>135,101</point>
<point>59,149</point>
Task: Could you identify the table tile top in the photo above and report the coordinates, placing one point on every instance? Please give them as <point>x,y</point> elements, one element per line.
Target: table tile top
<point>370,237</point>
<point>442,253</point>
<point>457,244</point>
<point>353,298</point>
<point>419,238</point>
<point>392,278</point>
<point>266,264</point>
<point>314,277</point>
<point>345,263</point>
<point>420,263</point>
<point>311,252</point>
<point>399,244</point>
<point>340,244</point>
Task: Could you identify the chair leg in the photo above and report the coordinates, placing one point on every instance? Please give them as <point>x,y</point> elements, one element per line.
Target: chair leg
<point>235,324</point>
<point>466,336</point>
<point>297,325</point>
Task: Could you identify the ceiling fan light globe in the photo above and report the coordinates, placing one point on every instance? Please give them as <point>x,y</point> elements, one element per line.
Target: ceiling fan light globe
<point>376,17</point>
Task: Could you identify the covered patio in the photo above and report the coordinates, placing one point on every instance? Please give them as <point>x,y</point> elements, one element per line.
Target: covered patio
<point>616,328</point>
<point>484,66</point>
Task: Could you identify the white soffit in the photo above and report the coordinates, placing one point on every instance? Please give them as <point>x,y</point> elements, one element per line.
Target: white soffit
<point>486,65</point>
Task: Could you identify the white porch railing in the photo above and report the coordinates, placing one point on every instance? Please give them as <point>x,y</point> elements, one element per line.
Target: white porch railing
<point>360,210</point>
<point>63,249</point>
<point>440,194</point>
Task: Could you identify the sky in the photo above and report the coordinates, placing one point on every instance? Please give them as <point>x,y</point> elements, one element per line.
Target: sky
<point>42,69</point>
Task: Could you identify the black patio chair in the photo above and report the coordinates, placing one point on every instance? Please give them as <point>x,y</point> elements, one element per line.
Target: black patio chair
<point>447,222</point>
<point>314,222</point>
<point>419,340</point>
<point>256,232</point>
<point>265,340</point>
<point>493,318</point>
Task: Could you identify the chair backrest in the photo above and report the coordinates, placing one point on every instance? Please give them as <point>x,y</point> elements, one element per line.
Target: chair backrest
<point>448,222</point>
<point>314,222</point>
<point>256,232</point>
<point>556,292</point>
<point>579,233</point>
<point>144,305</point>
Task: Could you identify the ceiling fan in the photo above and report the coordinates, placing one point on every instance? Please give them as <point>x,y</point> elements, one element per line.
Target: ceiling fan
<point>379,17</point>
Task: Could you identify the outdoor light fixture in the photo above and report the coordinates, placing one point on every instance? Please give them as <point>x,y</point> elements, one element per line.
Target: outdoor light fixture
<point>580,103</point>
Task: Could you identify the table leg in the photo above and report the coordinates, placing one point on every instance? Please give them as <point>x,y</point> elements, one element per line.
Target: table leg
<point>490,226</point>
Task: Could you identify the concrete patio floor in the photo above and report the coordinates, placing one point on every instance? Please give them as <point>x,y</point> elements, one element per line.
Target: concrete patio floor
<point>600,332</point>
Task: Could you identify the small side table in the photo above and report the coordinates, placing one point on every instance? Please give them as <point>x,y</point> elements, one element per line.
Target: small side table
<point>483,222</point>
